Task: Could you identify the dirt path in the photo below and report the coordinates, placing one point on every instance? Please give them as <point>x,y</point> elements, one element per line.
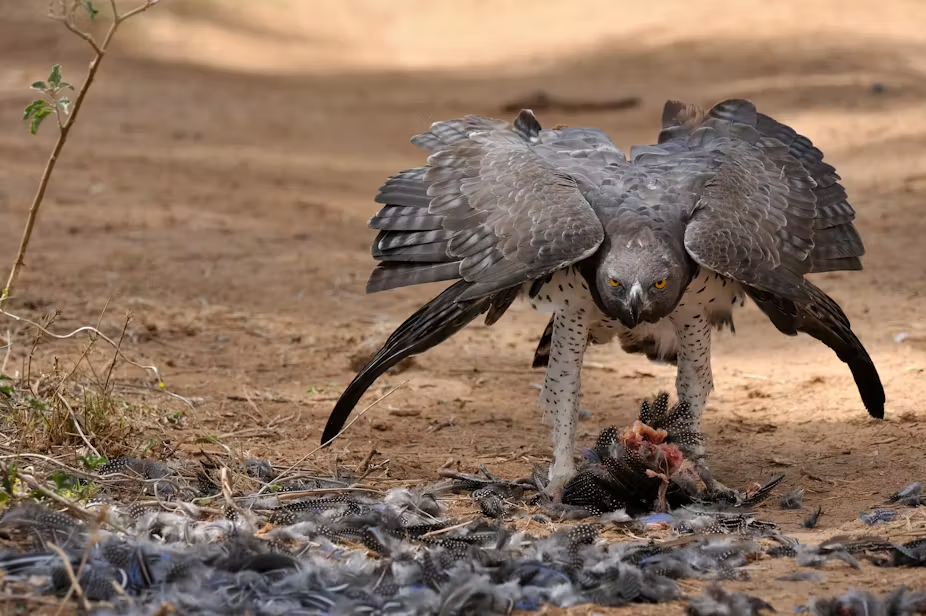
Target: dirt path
<point>219,183</point>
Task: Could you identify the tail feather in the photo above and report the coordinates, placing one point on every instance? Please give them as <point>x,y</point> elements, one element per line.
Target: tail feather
<point>391,275</point>
<point>434,322</point>
<point>542,354</point>
<point>823,319</point>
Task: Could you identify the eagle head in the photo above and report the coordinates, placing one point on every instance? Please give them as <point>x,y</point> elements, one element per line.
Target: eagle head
<point>639,277</point>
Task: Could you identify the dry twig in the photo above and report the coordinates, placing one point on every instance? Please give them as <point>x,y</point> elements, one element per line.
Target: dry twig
<point>75,584</point>
<point>331,440</point>
<point>227,494</point>
<point>87,328</point>
<point>71,506</point>
<point>77,426</point>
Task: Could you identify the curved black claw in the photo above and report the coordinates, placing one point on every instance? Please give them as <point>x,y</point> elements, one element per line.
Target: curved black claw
<point>714,490</point>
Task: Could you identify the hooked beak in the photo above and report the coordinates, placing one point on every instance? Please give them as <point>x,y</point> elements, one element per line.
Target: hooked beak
<point>635,302</point>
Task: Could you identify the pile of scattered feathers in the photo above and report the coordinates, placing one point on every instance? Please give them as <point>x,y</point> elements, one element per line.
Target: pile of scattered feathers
<point>341,551</point>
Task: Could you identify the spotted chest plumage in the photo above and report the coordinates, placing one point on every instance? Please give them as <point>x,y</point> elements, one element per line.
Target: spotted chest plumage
<point>709,299</point>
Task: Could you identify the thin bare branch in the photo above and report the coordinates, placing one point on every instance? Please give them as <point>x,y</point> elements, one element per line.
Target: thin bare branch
<point>99,49</point>
<point>84,35</point>
<point>112,364</point>
<point>71,506</point>
<point>147,5</point>
<point>227,494</point>
<point>80,359</point>
<point>9,349</point>
<point>48,459</point>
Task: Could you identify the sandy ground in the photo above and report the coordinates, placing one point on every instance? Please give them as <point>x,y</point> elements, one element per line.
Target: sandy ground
<point>218,184</point>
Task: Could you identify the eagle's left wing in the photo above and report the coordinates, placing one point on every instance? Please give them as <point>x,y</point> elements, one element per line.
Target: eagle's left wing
<point>765,212</point>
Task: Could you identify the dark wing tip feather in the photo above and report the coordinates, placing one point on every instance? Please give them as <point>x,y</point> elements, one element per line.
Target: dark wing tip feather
<point>869,386</point>
<point>433,323</point>
<point>822,318</point>
<point>672,112</point>
<point>679,119</point>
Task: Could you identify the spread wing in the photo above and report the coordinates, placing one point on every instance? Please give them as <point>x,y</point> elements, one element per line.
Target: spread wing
<point>492,208</point>
<point>764,210</point>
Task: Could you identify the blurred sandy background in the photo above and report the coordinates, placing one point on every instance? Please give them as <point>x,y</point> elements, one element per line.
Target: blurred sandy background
<point>219,181</point>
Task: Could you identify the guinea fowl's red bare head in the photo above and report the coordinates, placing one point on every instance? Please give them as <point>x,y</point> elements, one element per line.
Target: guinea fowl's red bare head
<point>640,432</point>
<point>650,444</point>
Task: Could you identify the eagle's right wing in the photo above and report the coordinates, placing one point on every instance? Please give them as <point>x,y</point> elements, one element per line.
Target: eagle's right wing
<point>492,208</point>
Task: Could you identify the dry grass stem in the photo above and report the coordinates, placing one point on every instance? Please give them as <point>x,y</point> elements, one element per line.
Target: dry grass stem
<point>279,477</point>
<point>75,584</point>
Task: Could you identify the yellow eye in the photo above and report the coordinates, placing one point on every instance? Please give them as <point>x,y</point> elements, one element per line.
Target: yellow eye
<point>661,284</point>
<point>613,283</point>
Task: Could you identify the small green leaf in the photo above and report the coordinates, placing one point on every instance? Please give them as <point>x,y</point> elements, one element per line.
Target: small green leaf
<point>8,478</point>
<point>41,86</point>
<point>55,77</point>
<point>37,404</point>
<point>65,103</point>
<point>92,12</point>
<point>92,462</point>
<point>33,107</point>
<point>6,385</point>
<point>37,119</point>
<point>62,481</point>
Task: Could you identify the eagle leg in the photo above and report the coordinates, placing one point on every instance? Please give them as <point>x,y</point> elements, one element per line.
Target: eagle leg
<point>560,395</point>
<point>694,380</point>
<point>693,383</point>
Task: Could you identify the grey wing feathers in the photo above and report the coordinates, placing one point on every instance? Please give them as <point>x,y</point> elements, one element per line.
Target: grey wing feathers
<point>449,132</point>
<point>837,245</point>
<point>582,143</point>
<point>488,209</point>
<point>769,209</point>
<point>587,154</point>
<point>754,221</point>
